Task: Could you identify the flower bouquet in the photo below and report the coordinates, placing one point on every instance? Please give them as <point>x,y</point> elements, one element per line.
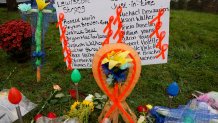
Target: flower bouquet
<point>15,39</point>
<point>116,66</point>
<point>81,110</point>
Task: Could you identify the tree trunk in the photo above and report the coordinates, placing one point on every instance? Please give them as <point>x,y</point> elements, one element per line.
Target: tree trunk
<point>11,5</point>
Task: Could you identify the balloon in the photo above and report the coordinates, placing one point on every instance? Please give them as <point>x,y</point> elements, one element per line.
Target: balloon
<point>142,109</point>
<point>14,95</point>
<point>37,117</point>
<point>51,115</point>
<point>75,76</point>
<point>73,93</point>
<point>173,89</point>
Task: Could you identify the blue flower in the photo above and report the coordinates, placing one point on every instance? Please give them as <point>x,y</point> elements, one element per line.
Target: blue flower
<point>117,74</point>
<point>105,69</point>
<point>120,76</point>
<point>38,54</point>
<point>24,7</point>
<point>110,79</point>
<point>156,115</point>
<point>125,66</point>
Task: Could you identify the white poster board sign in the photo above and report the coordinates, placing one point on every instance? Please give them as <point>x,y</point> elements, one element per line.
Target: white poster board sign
<point>85,21</point>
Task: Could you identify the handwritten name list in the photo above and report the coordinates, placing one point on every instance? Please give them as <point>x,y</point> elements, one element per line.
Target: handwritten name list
<point>85,21</point>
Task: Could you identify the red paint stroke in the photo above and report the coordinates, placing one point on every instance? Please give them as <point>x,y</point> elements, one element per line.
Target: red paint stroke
<point>107,40</point>
<point>118,30</point>
<point>161,37</point>
<point>120,40</point>
<point>63,38</point>
<point>158,17</point>
<point>108,27</point>
<point>118,12</point>
<point>114,97</point>
<point>157,28</point>
<point>163,50</point>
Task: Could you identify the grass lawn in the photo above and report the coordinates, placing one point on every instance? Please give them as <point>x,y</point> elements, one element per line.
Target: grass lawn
<point>192,62</point>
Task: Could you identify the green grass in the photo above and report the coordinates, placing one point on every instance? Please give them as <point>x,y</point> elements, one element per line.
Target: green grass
<point>192,62</point>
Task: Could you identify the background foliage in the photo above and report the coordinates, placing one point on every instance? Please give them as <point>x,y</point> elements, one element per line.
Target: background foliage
<point>196,5</point>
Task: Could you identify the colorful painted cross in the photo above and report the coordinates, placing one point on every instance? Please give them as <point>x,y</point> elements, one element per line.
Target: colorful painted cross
<point>39,36</point>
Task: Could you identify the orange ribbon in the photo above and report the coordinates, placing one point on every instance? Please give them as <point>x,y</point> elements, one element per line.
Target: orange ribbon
<point>160,13</point>
<point>69,60</point>
<point>61,18</point>
<point>108,27</point>
<point>63,31</point>
<point>163,50</point>
<point>157,27</point>
<point>161,37</point>
<point>65,42</point>
<point>118,30</point>
<point>114,97</point>
<point>69,67</point>
<point>118,12</point>
<point>120,40</point>
<point>67,55</point>
<point>107,40</point>
<point>65,46</point>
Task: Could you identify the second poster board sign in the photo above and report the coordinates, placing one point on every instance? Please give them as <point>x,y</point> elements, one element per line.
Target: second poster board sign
<point>146,28</point>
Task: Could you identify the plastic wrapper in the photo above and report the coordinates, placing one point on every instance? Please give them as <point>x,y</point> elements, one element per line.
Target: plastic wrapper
<point>57,120</point>
<point>8,112</point>
<point>194,112</point>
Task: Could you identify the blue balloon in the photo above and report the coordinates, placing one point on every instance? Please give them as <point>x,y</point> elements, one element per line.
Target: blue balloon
<point>173,89</point>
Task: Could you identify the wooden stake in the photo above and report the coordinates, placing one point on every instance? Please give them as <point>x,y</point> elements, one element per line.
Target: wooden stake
<point>19,114</point>
<point>170,101</point>
<point>38,76</point>
<point>77,91</point>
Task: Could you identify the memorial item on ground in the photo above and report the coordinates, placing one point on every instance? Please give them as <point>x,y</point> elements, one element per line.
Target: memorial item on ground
<point>39,31</point>
<point>10,100</point>
<point>82,110</point>
<point>15,39</point>
<point>172,91</point>
<point>119,91</point>
<point>76,77</point>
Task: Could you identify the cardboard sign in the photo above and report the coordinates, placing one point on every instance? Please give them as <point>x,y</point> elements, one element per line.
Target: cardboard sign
<point>145,23</point>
